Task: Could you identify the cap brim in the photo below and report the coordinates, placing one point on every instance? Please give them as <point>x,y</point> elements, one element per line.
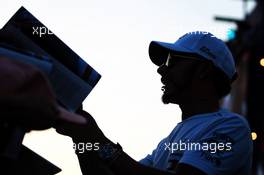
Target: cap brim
<point>158,51</point>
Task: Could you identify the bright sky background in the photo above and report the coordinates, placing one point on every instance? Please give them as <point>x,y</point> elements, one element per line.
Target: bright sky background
<point>113,37</point>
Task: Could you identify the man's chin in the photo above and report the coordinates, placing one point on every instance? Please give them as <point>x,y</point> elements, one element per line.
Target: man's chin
<point>167,98</point>
<point>164,100</point>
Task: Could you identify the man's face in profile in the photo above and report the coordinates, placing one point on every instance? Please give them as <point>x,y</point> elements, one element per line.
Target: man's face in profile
<point>177,75</point>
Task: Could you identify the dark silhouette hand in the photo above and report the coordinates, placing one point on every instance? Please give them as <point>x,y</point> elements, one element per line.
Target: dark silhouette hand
<point>89,132</point>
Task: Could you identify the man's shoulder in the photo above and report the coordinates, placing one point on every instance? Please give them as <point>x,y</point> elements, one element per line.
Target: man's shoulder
<point>232,119</point>
<point>223,121</point>
<point>221,117</point>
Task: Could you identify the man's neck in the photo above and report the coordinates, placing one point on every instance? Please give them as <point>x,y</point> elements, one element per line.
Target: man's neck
<point>198,107</point>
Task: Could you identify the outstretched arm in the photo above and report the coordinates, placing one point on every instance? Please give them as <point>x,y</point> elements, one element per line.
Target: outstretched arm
<point>118,161</point>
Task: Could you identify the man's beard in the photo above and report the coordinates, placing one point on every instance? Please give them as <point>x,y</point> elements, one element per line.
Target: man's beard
<point>170,95</point>
<point>165,99</point>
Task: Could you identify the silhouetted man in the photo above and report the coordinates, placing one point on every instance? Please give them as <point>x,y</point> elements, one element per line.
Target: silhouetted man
<point>197,71</point>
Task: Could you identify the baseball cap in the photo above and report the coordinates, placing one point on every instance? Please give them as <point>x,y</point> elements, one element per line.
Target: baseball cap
<point>204,44</point>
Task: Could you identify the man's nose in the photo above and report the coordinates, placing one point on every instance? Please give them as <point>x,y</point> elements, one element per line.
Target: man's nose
<point>162,69</point>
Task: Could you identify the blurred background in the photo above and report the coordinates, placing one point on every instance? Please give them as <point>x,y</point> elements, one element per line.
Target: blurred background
<point>113,37</point>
